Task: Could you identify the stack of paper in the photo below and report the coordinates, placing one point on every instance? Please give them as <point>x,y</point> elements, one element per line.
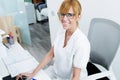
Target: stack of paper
<point>12,58</point>
<point>23,66</point>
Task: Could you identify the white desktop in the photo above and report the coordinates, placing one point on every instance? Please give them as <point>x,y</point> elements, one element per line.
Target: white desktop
<point>18,60</point>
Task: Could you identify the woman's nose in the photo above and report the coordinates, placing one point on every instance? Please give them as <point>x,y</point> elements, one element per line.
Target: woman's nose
<point>65,18</point>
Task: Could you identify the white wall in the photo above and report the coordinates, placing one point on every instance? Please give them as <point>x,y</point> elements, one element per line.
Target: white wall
<point>109,9</point>
<point>54,23</point>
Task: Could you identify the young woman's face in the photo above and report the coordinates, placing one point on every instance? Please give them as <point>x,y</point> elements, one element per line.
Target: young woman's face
<point>68,20</point>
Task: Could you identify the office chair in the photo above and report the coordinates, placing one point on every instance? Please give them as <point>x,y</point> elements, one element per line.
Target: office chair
<point>104,37</point>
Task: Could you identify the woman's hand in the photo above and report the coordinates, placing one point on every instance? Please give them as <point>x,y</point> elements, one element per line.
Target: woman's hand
<point>76,73</point>
<point>27,75</point>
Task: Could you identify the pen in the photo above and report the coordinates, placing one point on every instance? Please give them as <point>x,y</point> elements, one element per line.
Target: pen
<point>24,78</point>
<point>33,79</point>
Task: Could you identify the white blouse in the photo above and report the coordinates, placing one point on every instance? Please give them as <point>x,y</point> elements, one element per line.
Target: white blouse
<point>75,54</point>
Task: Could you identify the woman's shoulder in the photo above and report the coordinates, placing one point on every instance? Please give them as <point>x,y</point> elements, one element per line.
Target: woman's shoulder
<point>82,38</point>
<point>80,35</point>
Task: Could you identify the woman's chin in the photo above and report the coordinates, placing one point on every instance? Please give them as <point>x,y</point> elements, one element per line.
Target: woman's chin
<point>65,27</point>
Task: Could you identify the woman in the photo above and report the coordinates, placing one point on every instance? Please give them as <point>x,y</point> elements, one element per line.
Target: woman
<point>71,48</point>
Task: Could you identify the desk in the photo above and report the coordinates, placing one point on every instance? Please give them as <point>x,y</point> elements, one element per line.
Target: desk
<point>19,60</point>
<point>3,69</point>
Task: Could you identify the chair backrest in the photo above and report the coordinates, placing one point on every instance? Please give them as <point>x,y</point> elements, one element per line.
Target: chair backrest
<point>104,37</point>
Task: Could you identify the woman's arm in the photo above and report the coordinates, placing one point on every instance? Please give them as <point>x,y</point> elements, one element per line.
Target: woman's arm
<point>76,73</point>
<point>49,56</point>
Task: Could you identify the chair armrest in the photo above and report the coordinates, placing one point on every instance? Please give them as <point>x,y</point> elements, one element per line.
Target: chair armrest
<point>0,78</point>
<point>44,11</point>
<point>98,75</point>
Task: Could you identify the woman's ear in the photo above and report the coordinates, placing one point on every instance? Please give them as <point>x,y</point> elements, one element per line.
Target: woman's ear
<point>78,18</point>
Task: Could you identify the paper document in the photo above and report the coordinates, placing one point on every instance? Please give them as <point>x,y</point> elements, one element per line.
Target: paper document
<point>23,66</point>
<point>12,58</point>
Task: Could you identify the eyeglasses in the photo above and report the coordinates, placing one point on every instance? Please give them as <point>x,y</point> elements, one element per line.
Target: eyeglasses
<point>68,15</point>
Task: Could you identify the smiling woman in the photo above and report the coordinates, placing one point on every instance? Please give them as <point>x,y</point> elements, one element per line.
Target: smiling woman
<point>70,50</point>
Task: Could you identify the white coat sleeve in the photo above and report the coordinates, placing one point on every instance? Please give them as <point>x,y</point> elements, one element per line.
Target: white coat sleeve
<point>81,56</point>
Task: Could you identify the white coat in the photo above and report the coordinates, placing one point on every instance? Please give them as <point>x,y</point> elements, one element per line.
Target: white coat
<point>75,54</point>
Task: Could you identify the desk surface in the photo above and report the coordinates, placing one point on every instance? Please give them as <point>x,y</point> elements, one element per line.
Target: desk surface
<point>19,60</point>
<point>3,69</point>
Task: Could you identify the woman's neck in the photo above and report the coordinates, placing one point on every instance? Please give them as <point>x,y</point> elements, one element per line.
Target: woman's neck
<point>68,34</point>
<point>70,31</point>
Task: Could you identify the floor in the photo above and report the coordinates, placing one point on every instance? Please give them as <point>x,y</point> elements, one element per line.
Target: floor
<point>40,36</point>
